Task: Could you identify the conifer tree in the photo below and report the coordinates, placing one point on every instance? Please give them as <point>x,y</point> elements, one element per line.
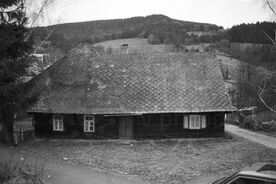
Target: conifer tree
<point>13,63</point>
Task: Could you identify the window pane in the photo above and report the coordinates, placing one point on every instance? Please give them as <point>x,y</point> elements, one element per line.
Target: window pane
<point>92,126</point>
<point>186,122</point>
<point>192,122</point>
<point>249,181</point>
<point>86,126</point>
<point>58,116</point>
<point>197,121</point>
<point>203,121</point>
<point>60,125</point>
<point>55,125</point>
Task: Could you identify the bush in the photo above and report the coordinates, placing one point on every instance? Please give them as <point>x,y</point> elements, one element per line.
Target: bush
<point>9,169</point>
<point>17,172</point>
<point>265,121</point>
<point>153,40</point>
<point>267,126</point>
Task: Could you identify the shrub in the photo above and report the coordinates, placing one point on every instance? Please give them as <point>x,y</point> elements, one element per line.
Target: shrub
<point>9,169</point>
<point>265,121</point>
<point>17,172</point>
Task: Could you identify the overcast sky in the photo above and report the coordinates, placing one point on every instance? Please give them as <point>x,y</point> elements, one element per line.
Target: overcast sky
<point>224,13</point>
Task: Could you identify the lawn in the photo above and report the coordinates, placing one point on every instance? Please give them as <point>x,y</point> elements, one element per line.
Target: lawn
<point>158,161</point>
<point>135,45</point>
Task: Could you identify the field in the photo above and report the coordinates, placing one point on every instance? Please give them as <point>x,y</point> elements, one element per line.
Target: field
<point>135,45</point>
<point>157,161</point>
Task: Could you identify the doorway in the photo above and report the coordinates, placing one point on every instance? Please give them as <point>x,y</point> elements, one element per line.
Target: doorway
<point>126,127</point>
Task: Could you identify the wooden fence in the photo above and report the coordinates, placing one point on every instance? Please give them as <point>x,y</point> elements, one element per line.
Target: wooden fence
<point>23,131</point>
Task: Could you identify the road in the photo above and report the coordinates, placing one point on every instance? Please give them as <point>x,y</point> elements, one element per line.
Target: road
<point>246,134</point>
<point>62,172</point>
<point>252,136</point>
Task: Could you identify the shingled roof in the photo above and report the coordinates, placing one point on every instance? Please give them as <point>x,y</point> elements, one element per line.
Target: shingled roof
<point>86,83</point>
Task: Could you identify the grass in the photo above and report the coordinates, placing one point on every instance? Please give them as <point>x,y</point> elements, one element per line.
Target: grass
<point>9,169</point>
<point>160,161</point>
<point>20,173</point>
<point>135,45</point>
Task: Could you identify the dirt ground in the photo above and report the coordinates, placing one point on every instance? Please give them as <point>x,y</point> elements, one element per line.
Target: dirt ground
<point>158,161</point>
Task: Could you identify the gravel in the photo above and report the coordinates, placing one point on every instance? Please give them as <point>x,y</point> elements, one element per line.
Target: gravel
<point>158,161</point>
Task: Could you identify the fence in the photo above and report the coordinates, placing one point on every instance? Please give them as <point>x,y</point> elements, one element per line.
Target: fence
<point>23,131</point>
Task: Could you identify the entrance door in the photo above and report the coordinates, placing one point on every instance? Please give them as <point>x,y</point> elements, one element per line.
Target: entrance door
<point>125,127</point>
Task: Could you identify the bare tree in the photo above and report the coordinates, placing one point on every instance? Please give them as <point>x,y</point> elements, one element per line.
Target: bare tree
<point>271,5</point>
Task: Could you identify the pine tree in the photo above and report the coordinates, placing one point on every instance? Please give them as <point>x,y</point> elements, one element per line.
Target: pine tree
<point>13,63</point>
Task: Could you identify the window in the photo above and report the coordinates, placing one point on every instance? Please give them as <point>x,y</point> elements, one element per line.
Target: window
<point>203,121</point>
<point>243,180</point>
<point>194,121</point>
<point>57,122</point>
<point>89,123</point>
<point>186,122</point>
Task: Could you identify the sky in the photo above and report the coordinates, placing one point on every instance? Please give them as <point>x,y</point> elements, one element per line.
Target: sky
<point>224,13</point>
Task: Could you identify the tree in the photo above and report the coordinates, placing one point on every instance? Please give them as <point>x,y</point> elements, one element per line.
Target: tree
<point>13,63</point>
<point>272,6</point>
<point>154,40</point>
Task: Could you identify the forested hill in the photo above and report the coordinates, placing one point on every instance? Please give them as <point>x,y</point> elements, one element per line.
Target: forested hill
<point>160,26</point>
<point>252,33</point>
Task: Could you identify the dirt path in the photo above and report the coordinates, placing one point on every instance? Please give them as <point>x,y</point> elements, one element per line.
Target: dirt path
<point>252,136</point>
<point>61,172</point>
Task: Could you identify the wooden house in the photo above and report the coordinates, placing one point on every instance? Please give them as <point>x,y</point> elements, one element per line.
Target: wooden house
<point>133,96</point>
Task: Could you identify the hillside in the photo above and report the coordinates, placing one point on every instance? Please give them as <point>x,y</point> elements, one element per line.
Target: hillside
<point>257,33</point>
<point>163,28</point>
<point>134,45</point>
<point>140,45</point>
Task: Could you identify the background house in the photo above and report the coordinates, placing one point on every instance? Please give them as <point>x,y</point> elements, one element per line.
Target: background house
<point>130,96</point>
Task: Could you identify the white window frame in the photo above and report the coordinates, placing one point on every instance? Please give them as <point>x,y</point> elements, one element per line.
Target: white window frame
<point>194,122</point>
<point>58,122</point>
<point>203,121</point>
<point>186,122</point>
<point>88,123</point>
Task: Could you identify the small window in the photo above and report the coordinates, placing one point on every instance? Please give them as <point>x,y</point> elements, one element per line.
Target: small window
<point>89,123</point>
<point>244,180</point>
<point>57,122</point>
<point>197,121</point>
<point>203,121</point>
<point>194,121</point>
<point>186,122</point>
<point>191,122</point>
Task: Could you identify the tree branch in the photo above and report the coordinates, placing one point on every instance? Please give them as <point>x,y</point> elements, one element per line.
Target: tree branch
<point>260,96</point>
<point>270,7</point>
<point>273,41</point>
<point>40,10</point>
